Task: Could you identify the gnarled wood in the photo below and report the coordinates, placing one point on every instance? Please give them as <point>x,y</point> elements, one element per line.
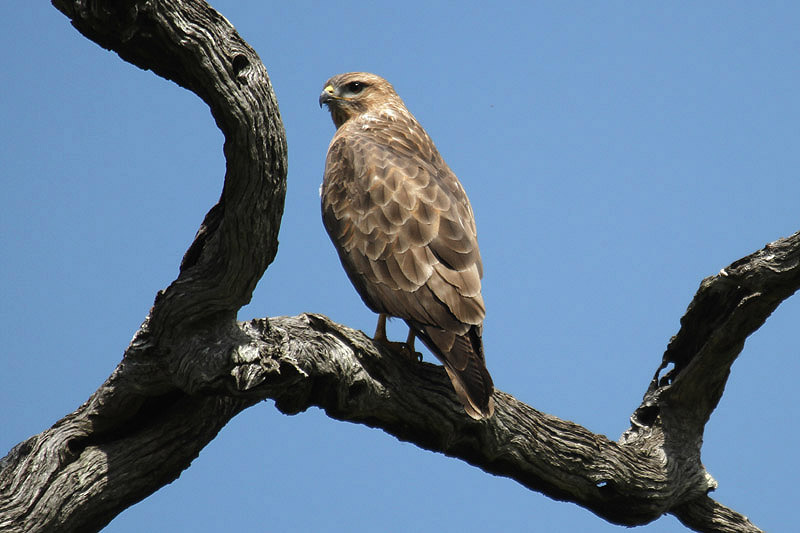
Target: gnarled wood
<point>191,367</point>
<point>107,455</point>
<point>310,361</point>
<point>194,46</point>
<point>706,515</point>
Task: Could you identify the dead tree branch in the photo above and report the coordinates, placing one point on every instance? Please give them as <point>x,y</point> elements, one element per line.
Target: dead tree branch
<point>191,367</point>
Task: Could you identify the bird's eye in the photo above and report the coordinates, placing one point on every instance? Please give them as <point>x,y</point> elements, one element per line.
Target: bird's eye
<point>355,87</point>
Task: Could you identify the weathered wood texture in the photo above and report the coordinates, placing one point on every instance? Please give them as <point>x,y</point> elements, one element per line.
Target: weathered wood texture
<point>130,446</point>
<point>191,367</point>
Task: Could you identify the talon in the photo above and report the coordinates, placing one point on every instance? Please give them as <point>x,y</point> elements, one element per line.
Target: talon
<point>409,352</point>
<point>405,349</point>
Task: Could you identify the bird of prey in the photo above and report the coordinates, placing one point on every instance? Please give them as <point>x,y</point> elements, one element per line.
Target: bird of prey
<point>404,230</point>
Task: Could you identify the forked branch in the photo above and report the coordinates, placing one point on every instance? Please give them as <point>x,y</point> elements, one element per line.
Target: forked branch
<point>192,367</point>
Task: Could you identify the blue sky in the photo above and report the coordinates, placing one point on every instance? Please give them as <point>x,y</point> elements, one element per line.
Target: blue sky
<point>615,155</point>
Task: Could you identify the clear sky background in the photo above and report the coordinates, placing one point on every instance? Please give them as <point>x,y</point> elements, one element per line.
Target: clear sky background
<point>615,153</point>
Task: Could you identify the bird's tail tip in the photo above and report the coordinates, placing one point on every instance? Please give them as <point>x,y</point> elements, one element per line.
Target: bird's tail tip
<point>478,413</point>
<point>478,405</point>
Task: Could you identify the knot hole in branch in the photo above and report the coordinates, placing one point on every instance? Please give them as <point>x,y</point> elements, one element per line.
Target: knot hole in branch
<point>240,63</point>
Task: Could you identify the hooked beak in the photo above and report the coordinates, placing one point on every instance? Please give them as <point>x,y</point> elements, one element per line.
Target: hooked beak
<point>326,96</point>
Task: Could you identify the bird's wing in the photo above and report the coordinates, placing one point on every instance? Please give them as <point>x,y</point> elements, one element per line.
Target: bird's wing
<point>405,233</point>
<point>403,227</point>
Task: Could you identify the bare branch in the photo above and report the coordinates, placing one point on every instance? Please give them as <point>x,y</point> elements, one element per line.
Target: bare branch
<point>73,478</point>
<point>323,364</point>
<point>194,46</point>
<point>310,361</point>
<point>726,310</point>
<point>191,367</point>
<point>105,456</point>
<point>707,516</point>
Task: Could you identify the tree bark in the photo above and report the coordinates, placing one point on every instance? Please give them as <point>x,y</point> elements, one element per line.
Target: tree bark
<point>191,367</point>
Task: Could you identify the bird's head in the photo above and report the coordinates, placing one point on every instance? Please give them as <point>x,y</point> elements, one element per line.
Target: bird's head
<point>355,93</point>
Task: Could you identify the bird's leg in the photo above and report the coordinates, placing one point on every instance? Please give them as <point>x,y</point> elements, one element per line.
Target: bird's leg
<point>410,340</point>
<point>380,330</point>
<point>406,349</point>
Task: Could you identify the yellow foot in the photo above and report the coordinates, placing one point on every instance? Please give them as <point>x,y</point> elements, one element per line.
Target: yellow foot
<point>405,349</point>
<point>402,349</point>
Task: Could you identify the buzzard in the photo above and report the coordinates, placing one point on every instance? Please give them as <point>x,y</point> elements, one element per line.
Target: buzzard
<point>404,230</point>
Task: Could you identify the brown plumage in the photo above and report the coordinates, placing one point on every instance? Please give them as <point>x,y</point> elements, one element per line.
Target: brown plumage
<point>404,229</point>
